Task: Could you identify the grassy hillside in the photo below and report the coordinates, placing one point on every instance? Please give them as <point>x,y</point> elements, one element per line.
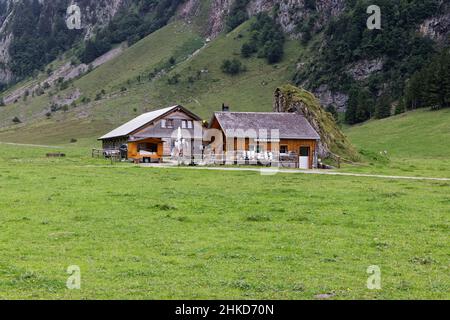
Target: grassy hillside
<point>137,81</point>
<point>417,143</point>
<point>92,118</point>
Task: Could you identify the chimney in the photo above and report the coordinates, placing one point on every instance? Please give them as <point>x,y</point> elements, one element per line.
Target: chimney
<point>225,108</point>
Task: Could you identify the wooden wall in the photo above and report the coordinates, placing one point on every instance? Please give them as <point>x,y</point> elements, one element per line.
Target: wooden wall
<point>293,145</point>
<point>133,149</point>
<point>114,144</point>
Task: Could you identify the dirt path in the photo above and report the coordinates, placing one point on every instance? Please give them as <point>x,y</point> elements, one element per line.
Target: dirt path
<point>29,145</point>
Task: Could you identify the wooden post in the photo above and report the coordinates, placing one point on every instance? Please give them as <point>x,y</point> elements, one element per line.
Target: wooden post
<point>339,162</point>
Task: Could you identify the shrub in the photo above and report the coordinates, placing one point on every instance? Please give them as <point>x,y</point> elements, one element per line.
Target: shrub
<point>248,49</point>
<point>64,85</point>
<point>174,79</point>
<point>16,120</point>
<point>332,109</point>
<point>232,67</point>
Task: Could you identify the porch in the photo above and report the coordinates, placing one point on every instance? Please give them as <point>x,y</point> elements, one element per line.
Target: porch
<point>146,150</point>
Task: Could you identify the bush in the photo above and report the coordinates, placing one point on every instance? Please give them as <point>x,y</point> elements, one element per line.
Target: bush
<point>274,53</point>
<point>174,79</point>
<point>248,49</point>
<point>16,120</point>
<point>64,85</point>
<point>332,109</point>
<point>232,67</point>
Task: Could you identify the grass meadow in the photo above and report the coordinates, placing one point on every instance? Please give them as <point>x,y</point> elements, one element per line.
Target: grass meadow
<point>416,144</point>
<point>147,233</point>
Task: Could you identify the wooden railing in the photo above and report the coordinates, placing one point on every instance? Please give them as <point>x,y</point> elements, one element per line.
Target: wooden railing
<point>114,155</point>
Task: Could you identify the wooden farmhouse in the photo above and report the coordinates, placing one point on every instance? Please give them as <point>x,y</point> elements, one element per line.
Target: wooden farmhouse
<point>294,141</point>
<point>285,139</point>
<point>150,136</point>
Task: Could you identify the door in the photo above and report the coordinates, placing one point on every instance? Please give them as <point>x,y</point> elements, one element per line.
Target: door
<point>304,157</point>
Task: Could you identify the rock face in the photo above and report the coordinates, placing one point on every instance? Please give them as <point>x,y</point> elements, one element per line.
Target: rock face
<point>331,98</point>
<point>94,13</point>
<point>333,142</point>
<point>363,69</point>
<point>288,13</point>
<point>438,28</point>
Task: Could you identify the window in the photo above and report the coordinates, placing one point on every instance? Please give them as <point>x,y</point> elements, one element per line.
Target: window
<point>304,152</point>
<point>167,124</point>
<point>148,147</point>
<point>187,124</point>
<point>256,148</point>
<point>284,149</point>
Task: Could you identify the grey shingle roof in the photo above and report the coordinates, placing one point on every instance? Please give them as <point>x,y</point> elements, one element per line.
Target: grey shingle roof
<point>136,123</point>
<point>290,125</point>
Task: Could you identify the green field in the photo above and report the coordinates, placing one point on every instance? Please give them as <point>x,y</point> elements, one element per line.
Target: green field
<point>417,144</point>
<point>142,233</point>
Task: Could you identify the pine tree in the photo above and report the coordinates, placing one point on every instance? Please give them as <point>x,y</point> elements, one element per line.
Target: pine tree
<point>352,105</point>
<point>401,107</point>
<point>438,81</point>
<point>383,108</point>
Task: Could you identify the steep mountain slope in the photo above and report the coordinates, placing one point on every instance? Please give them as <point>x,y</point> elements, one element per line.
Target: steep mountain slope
<point>33,32</point>
<point>138,81</point>
<point>373,66</point>
<point>181,62</point>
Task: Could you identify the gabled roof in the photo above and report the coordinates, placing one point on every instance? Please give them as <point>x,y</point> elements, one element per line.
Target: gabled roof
<point>140,121</point>
<point>289,125</point>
